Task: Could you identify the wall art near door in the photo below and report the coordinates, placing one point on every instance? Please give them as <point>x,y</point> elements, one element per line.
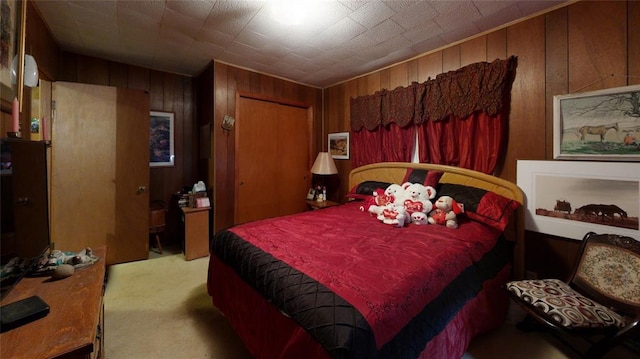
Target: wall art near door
<point>10,35</point>
<point>570,198</point>
<point>598,125</point>
<point>339,145</point>
<point>161,150</point>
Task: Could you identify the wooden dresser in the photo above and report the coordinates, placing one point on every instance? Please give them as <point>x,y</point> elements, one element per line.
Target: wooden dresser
<point>74,326</point>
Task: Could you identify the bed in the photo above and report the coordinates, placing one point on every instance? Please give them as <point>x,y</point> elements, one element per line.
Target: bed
<point>338,283</point>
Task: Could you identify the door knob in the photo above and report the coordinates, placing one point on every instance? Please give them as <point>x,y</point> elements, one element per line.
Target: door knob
<point>142,189</point>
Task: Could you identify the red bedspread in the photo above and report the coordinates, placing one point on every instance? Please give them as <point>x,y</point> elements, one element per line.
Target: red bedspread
<point>388,274</point>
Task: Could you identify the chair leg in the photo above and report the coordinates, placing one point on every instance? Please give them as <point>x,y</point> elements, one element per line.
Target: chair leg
<point>528,324</point>
<point>158,243</point>
<point>600,348</point>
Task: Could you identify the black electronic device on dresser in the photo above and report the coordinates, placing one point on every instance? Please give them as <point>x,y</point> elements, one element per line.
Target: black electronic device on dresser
<point>25,209</point>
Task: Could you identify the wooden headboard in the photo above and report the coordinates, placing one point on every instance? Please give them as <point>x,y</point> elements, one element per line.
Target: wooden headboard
<point>394,172</point>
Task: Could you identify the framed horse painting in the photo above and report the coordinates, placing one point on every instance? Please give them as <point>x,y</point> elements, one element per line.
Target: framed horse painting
<point>600,125</point>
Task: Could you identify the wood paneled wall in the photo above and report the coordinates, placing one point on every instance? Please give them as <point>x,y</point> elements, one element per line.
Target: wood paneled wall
<point>167,92</point>
<point>570,49</point>
<point>228,82</point>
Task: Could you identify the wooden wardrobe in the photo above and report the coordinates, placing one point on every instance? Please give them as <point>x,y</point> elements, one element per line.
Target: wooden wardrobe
<point>100,170</point>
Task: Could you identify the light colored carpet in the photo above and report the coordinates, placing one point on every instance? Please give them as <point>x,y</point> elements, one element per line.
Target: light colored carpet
<point>159,308</point>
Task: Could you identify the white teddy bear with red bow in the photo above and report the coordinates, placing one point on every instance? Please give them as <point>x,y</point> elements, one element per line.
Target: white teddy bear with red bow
<point>394,214</point>
<point>394,193</point>
<point>417,198</point>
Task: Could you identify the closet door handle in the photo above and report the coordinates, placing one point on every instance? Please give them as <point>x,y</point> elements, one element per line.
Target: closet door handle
<point>142,189</point>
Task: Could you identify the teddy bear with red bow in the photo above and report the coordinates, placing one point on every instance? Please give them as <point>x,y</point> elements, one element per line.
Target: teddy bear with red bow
<point>417,198</point>
<point>394,214</point>
<point>392,194</point>
<point>378,199</point>
<point>445,212</point>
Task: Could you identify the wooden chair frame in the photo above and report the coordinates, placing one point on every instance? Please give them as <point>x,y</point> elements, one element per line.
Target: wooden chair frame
<point>601,340</point>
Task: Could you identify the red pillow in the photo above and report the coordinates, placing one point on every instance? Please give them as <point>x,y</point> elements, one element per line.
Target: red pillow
<point>480,205</point>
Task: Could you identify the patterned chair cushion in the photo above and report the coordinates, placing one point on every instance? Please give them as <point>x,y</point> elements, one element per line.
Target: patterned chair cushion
<point>563,305</point>
<point>611,271</point>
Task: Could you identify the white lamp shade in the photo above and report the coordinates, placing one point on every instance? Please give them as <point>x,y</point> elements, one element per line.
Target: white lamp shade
<point>324,165</point>
<point>31,74</point>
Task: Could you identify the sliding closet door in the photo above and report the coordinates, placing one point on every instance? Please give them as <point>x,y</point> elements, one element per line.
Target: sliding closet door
<point>272,159</point>
<point>293,173</point>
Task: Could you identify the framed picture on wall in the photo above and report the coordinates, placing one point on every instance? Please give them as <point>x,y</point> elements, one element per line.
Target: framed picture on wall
<point>161,139</point>
<point>9,42</point>
<point>570,198</point>
<point>598,125</point>
<point>339,145</point>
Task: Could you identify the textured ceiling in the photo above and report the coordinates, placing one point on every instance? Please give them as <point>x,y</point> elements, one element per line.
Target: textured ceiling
<point>338,40</point>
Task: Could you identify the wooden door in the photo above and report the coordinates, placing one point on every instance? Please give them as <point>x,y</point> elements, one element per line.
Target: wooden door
<point>100,170</point>
<point>272,159</point>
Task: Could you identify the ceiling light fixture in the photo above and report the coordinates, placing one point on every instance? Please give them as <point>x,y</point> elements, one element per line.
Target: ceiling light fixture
<point>289,12</point>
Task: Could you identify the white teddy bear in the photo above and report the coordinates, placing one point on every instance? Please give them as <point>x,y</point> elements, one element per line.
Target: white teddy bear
<point>395,193</point>
<point>417,198</point>
<point>394,214</point>
<point>419,218</point>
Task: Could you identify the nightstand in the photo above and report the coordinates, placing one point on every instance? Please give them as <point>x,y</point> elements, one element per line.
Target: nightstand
<point>196,232</point>
<point>313,205</point>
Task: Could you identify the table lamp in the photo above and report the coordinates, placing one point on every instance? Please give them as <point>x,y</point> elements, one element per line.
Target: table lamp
<point>324,166</point>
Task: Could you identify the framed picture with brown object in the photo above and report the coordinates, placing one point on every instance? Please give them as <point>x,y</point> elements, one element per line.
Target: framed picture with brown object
<point>571,198</point>
<point>12,44</point>
<point>339,145</point>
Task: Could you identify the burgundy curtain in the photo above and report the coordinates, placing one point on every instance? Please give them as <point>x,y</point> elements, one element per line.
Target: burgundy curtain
<point>365,147</point>
<point>474,142</point>
<point>460,118</point>
<point>397,143</point>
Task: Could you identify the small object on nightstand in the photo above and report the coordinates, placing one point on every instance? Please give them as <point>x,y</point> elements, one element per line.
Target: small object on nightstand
<point>313,205</point>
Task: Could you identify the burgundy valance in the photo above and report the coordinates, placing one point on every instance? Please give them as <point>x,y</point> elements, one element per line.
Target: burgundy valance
<point>481,86</point>
<point>398,106</point>
<point>366,112</point>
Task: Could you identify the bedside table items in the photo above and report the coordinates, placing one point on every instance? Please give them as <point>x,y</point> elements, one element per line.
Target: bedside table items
<point>194,197</point>
<point>322,167</point>
<point>314,205</point>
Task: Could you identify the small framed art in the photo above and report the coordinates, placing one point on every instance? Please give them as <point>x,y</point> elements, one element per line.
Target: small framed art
<point>161,139</point>
<point>339,145</point>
